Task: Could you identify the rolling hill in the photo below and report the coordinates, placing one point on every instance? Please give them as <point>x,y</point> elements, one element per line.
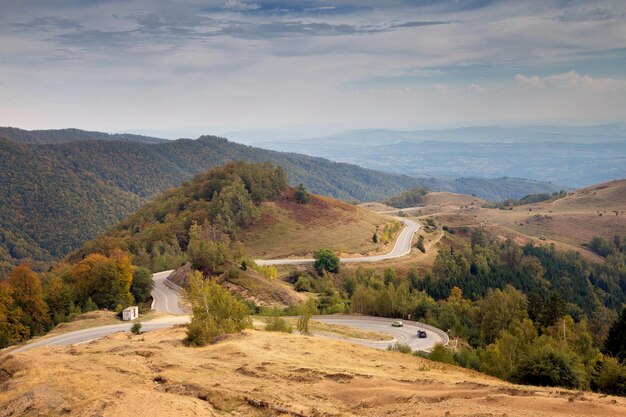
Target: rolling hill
<point>60,188</point>
<point>247,203</point>
<point>570,222</point>
<point>55,197</point>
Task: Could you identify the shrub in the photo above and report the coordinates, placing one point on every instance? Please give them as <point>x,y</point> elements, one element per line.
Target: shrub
<point>278,324</point>
<point>302,195</point>
<point>306,311</point>
<point>136,327</point>
<point>609,377</point>
<point>441,354</point>
<point>420,244</point>
<point>215,311</point>
<point>400,347</point>
<point>303,284</point>
<point>326,260</point>
<point>548,366</point>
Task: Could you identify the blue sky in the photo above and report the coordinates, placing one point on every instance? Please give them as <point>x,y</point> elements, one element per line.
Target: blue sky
<point>184,68</point>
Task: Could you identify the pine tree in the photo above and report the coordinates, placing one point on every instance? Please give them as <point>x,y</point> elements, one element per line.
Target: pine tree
<point>615,343</point>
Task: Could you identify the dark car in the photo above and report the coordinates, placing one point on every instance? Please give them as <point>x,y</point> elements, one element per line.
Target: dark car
<point>421,334</point>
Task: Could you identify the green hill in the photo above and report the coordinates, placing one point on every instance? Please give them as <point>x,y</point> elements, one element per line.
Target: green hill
<point>55,197</point>
<point>60,188</point>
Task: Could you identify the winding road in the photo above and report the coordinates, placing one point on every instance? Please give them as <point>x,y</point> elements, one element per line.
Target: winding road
<point>166,299</point>
<point>401,248</point>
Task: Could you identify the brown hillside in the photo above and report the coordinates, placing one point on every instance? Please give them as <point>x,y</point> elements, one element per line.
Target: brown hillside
<point>452,199</point>
<point>569,222</point>
<point>288,228</point>
<point>606,196</point>
<point>264,374</point>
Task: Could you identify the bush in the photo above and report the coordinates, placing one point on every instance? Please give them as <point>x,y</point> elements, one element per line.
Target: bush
<point>400,347</point>
<point>442,354</point>
<point>420,244</point>
<point>302,195</point>
<point>326,260</point>
<point>136,327</point>
<point>548,366</point>
<point>303,284</point>
<point>278,324</point>
<point>215,311</point>
<point>609,377</point>
<point>306,311</point>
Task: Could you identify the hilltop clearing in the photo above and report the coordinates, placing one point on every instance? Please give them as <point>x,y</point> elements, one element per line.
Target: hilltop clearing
<point>260,373</point>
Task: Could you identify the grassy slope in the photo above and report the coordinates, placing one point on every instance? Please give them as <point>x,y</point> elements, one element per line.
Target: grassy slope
<point>291,229</point>
<point>260,373</point>
<point>570,221</point>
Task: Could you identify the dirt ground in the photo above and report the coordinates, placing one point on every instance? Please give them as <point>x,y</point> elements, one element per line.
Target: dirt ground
<point>264,374</point>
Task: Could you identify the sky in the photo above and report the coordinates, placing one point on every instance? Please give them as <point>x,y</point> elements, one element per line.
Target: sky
<point>186,68</point>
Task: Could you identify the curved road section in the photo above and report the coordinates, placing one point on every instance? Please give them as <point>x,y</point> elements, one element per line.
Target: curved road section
<point>407,334</point>
<point>165,294</point>
<point>401,248</point>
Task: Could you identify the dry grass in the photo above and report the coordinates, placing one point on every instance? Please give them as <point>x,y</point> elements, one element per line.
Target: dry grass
<point>264,374</point>
<point>291,229</point>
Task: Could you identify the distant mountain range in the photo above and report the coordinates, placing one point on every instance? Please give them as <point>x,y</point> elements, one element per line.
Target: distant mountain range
<point>55,196</point>
<point>570,156</point>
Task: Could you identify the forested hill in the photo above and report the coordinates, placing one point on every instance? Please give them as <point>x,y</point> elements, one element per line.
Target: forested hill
<point>69,135</point>
<point>55,197</point>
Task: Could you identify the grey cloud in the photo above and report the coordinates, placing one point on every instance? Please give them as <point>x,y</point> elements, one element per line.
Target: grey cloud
<point>48,24</point>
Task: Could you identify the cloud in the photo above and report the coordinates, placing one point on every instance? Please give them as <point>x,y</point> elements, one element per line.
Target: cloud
<point>568,79</point>
<point>351,62</point>
<point>49,23</point>
<point>240,6</point>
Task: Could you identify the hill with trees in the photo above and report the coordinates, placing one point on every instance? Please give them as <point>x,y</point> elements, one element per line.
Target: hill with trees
<point>239,203</point>
<point>56,197</point>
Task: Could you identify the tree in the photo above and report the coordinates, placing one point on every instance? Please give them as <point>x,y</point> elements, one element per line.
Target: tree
<point>11,328</point>
<point>206,255</point>
<point>106,280</point>
<point>27,295</point>
<point>302,195</point>
<point>549,366</point>
<point>59,299</point>
<point>375,237</point>
<point>326,260</point>
<point>142,284</point>
<point>420,244</point>
<point>500,309</point>
<point>615,343</point>
<point>215,311</point>
<point>306,312</point>
<point>609,377</point>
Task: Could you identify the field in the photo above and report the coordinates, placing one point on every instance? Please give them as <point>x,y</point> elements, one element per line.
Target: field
<point>291,229</point>
<point>264,374</point>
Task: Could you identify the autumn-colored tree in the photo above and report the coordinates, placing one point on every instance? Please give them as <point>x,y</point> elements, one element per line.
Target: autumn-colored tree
<point>11,328</point>
<point>59,298</point>
<point>106,280</point>
<point>215,311</point>
<point>27,295</point>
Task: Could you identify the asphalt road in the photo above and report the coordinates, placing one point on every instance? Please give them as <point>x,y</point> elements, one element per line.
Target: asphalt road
<point>407,334</point>
<point>401,248</point>
<point>164,298</point>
